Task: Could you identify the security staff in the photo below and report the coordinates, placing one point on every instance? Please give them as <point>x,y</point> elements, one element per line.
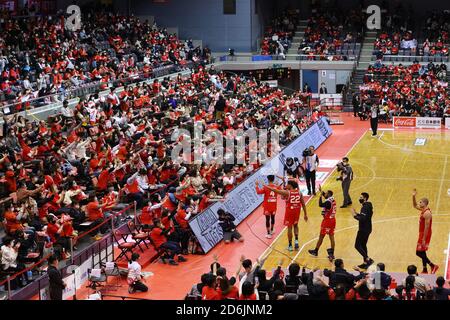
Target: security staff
<point>311,161</point>
<point>346,178</point>
<point>364,228</point>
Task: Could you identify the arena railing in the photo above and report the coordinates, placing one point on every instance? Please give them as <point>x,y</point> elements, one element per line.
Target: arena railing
<point>88,88</point>
<point>80,256</point>
<point>286,57</point>
<point>407,58</point>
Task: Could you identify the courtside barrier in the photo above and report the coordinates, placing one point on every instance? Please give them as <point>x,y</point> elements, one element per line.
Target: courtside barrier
<point>447,123</point>
<point>417,122</point>
<point>243,200</point>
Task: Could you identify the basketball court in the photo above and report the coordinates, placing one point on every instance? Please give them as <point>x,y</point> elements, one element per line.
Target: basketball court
<point>388,168</point>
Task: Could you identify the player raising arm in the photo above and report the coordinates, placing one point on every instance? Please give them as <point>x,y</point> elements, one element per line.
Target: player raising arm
<point>294,203</point>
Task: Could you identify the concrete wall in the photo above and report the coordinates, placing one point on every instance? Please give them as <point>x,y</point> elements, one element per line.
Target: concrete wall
<point>204,19</point>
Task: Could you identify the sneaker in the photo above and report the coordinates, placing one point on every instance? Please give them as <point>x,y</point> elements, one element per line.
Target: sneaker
<point>268,236</point>
<point>97,237</point>
<point>309,193</point>
<point>434,269</point>
<point>173,262</point>
<point>289,248</point>
<point>362,266</point>
<point>181,259</point>
<point>130,289</point>
<point>424,271</point>
<point>313,252</point>
<point>296,245</point>
<point>370,262</point>
<point>271,232</point>
<point>343,206</point>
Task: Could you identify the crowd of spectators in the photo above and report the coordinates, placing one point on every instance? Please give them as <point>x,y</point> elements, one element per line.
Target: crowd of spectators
<point>400,90</point>
<point>401,37</point>
<point>332,34</point>
<point>278,35</point>
<point>80,164</point>
<point>252,282</point>
<point>39,57</point>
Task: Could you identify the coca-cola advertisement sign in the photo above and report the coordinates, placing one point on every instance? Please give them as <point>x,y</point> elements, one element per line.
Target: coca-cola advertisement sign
<point>404,122</point>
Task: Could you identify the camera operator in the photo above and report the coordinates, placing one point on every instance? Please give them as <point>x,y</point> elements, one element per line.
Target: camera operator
<point>293,168</point>
<point>311,161</point>
<point>229,229</point>
<point>346,178</point>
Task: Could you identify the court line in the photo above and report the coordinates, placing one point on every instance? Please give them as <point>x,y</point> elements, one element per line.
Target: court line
<point>448,258</point>
<point>269,247</point>
<point>409,150</point>
<point>442,184</point>
<point>403,178</point>
<point>356,226</point>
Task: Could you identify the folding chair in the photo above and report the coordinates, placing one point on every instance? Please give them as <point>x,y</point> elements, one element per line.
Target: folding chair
<point>142,227</point>
<point>96,280</point>
<point>112,270</point>
<point>125,246</point>
<point>138,237</point>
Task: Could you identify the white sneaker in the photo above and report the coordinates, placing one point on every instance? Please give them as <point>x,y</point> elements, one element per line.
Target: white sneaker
<point>268,236</point>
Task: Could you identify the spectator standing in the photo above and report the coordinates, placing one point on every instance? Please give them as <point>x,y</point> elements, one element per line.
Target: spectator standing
<point>56,283</point>
<point>365,229</point>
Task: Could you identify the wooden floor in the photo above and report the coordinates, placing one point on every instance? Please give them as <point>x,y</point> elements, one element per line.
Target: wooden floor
<point>388,168</point>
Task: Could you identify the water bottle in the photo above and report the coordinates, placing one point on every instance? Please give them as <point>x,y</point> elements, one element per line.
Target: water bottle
<point>29,275</point>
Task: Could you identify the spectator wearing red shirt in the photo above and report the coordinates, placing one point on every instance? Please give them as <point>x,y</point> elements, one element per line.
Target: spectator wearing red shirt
<point>209,291</point>
<point>159,236</point>
<point>95,214</point>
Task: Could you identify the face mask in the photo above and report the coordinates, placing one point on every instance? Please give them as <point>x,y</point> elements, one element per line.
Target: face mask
<point>361,201</point>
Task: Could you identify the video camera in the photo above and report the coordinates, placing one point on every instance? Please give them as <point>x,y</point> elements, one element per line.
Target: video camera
<point>306,153</point>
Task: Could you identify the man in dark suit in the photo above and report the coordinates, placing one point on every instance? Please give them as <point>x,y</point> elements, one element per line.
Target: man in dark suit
<point>323,89</point>
<point>56,283</point>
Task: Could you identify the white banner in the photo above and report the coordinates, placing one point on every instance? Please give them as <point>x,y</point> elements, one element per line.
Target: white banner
<point>81,273</point>
<point>243,200</point>
<point>447,123</point>
<point>69,290</point>
<point>428,122</point>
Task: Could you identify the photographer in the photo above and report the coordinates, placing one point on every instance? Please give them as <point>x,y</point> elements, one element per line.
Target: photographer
<point>229,229</point>
<point>346,177</point>
<point>293,168</point>
<point>311,161</point>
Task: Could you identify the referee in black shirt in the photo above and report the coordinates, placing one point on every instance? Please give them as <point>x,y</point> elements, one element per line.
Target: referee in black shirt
<point>374,111</point>
<point>365,228</point>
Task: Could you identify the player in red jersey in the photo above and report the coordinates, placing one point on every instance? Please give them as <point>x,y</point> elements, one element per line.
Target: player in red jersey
<point>269,204</point>
<point>294,203</point>
<point>425,222</point>
<point>328,223</point>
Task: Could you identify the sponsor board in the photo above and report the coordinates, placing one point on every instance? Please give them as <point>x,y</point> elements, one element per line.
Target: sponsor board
<point>404,122</point>
<point>417,122</point>
<point>243,200</point>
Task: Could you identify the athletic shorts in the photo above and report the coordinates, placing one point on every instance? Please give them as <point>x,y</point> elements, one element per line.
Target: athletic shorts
<point>269,213</point>
<point>229,236</point>
<point>419,242</point>
<point>291,218</point>
<point>327,227</point>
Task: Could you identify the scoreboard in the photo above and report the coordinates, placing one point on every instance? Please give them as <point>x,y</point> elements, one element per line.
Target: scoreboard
<point>271,74</point>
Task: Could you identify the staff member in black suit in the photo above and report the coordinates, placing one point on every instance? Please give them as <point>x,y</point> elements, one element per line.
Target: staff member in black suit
<point>323,89</point>
<point>355,102</point>
<point>374,111</point>
<point>365,228</point>
<point>56,282</point>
